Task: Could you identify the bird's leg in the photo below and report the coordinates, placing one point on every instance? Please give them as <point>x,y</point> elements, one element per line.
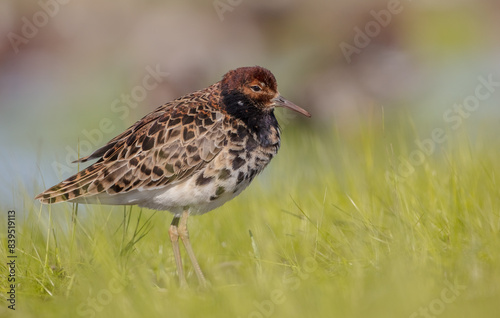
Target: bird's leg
<point>173,231</point>
<point>184,235</point>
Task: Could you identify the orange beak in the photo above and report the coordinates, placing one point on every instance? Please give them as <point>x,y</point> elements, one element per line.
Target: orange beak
<point>280,101</point>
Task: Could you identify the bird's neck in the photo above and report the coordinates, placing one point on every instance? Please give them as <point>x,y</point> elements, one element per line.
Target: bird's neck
<point>262,123</point>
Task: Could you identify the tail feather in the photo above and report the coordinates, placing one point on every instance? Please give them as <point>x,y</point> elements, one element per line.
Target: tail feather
<point>88,182</point>
<point>73,187</point>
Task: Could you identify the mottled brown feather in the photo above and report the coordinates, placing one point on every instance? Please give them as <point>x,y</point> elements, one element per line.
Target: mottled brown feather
<point>163,147</point>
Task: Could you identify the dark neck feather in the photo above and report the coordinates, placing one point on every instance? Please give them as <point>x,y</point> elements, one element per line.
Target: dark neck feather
<point>256,119</point>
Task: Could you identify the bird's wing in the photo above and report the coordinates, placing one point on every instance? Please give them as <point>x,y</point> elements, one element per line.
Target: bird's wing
<point>164,147</point>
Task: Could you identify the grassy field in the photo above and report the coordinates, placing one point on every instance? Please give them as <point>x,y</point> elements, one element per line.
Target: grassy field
<point>346,222</point>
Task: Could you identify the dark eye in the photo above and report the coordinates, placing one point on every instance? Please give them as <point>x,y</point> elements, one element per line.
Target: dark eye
<point>256,88</point>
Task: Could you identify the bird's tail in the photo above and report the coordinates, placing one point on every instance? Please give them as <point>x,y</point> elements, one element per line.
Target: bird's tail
<point>85,183</point>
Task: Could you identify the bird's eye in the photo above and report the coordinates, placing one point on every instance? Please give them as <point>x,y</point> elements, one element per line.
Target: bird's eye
<point>256,88</point>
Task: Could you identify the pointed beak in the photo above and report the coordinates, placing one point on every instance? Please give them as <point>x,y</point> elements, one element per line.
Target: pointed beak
<point>280,101</point>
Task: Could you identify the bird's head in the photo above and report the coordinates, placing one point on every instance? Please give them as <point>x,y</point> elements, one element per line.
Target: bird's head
<point>255,86</point>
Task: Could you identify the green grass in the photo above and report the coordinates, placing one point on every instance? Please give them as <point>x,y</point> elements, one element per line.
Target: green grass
<point>335,234</point>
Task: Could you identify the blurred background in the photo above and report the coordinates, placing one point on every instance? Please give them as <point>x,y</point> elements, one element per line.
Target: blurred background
<point>79,72</point>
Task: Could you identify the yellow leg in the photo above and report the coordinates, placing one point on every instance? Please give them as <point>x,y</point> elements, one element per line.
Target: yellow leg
<point>174,238</point>
<point>184,235</point>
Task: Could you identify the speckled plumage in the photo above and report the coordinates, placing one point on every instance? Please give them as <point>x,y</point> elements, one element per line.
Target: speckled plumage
<point>191,154</point>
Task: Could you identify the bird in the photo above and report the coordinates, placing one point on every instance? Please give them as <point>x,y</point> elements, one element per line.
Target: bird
<point>188,156</point>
